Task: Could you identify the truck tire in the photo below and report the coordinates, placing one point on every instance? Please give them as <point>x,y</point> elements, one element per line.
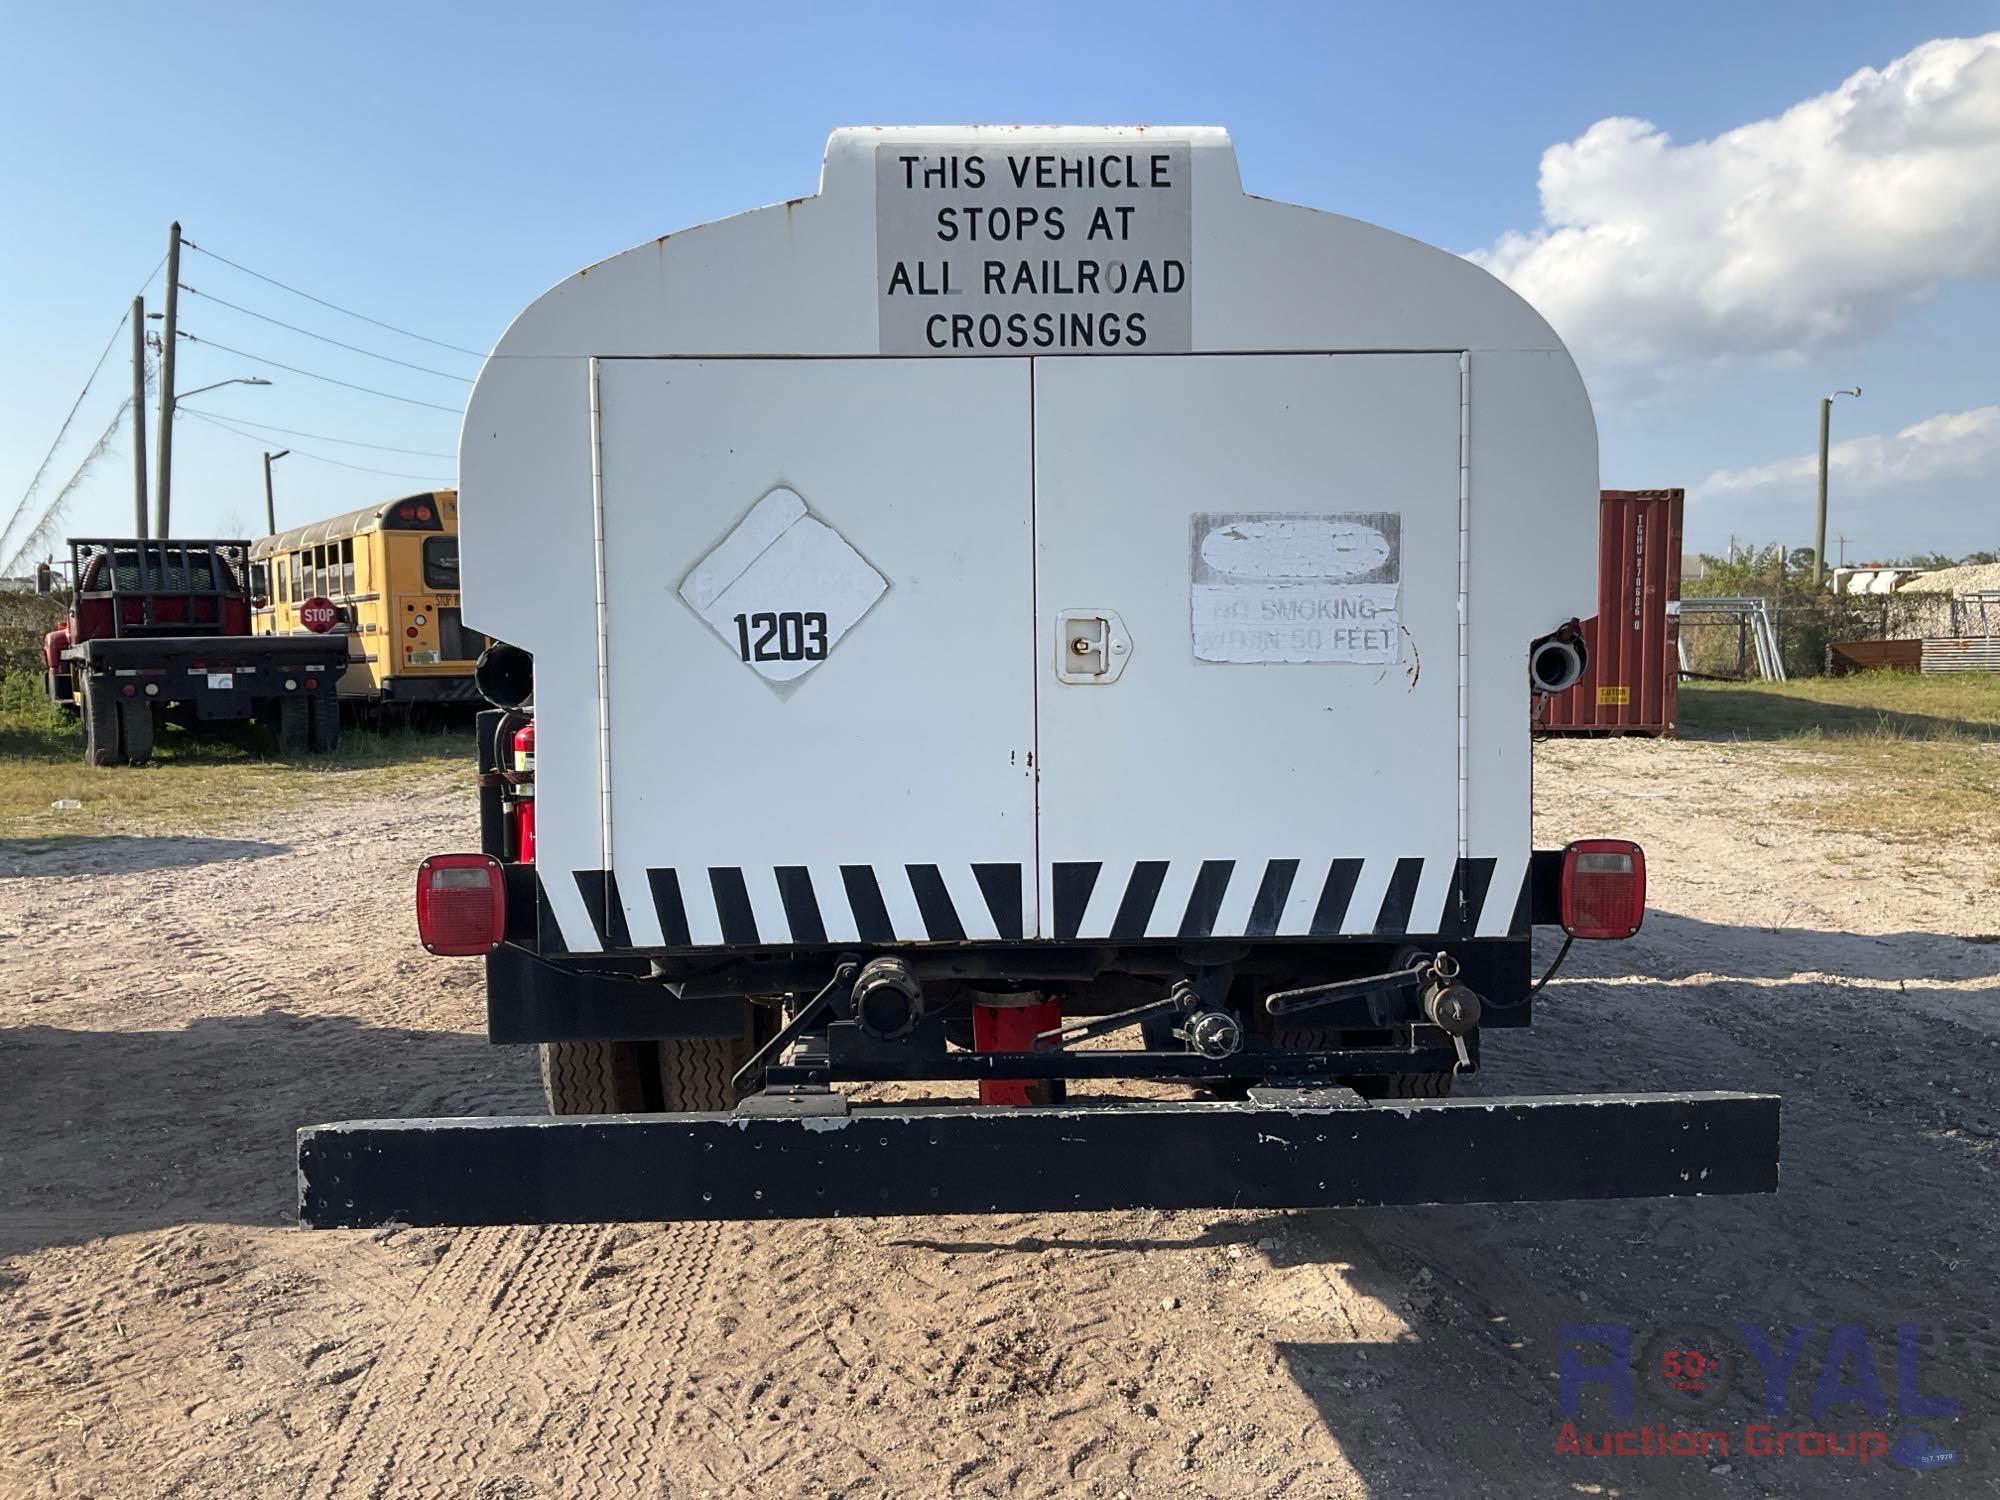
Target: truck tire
<point>674,1074</point>
<point>294,726</point>
<point>596,1078</point>
<point>1405,1086</point>
<point>695,1072</point>
<point>323,723</point>
<point>135,731</point>
<point>100,725</point>
<point>1374,1086</point>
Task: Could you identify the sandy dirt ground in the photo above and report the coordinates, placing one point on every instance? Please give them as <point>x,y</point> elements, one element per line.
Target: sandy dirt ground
<point>172,1007</point>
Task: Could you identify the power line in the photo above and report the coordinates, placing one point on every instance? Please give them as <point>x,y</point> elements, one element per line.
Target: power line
<point>352,348</point>
<point>63,431</point>
<point>45,528</point>
<point>350,312</point>
<point>319,436</point>
<point>317,457</point>
<point>314,375</point>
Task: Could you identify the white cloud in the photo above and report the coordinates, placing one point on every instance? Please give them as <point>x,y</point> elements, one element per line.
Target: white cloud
<point>1951,445</point>
<point>1815,227</point>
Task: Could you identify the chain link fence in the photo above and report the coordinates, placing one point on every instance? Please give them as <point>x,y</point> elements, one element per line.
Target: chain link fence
<point>1805,627</point>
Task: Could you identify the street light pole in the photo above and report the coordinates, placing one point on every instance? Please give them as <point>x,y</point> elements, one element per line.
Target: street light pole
<point>1819,532</point>
<point>239,380</point>
<point>169,334</point>
<point>271,505</point>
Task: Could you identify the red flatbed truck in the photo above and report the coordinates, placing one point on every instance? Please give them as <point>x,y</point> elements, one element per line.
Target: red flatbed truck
<point>160,629</point>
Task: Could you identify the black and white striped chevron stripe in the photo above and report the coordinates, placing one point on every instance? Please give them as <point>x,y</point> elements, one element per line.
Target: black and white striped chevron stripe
<point>861,894</point>
<point>1135,915</point>
<point>1137,912</point>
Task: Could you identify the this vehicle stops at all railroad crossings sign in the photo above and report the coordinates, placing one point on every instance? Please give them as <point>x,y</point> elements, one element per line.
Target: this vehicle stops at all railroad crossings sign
<point>318,614</point>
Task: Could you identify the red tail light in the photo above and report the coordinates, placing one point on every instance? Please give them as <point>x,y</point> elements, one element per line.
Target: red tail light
<point>1603,888</point>
<point>461,904</point>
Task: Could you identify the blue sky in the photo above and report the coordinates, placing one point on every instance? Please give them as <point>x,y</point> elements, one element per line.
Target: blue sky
<point>437,168</point>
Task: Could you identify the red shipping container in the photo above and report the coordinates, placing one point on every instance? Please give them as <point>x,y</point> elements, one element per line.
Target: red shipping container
<point>1632,685</point>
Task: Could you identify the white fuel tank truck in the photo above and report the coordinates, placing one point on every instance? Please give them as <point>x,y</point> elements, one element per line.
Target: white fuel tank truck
<point>1035,628</point>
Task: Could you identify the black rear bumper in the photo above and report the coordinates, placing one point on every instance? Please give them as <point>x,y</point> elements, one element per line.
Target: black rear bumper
<point>218,652</point>
<point>223,676</point>
<point>445,689</point>
<point>779,1158</point>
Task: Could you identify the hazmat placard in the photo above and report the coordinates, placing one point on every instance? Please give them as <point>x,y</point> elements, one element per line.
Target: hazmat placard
<point>1057,250</point>
<point>782,588</point>
<point>1281,587</point>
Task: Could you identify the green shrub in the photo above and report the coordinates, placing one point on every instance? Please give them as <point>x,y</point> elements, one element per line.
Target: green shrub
<point>24,619</point>
<point>25,711</point>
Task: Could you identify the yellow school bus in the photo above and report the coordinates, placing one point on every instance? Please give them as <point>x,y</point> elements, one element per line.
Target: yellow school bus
<point>391,573</point>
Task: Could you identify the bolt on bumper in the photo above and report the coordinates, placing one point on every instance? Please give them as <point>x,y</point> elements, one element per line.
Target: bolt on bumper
<point>817,1157</point>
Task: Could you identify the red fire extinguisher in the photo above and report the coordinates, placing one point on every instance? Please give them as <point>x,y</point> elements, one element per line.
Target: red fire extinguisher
<point>524,793</point>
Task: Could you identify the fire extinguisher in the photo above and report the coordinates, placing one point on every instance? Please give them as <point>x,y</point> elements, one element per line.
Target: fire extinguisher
<point>524,793</point>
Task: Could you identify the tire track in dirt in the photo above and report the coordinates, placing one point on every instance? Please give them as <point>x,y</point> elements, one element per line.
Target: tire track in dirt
<point>489,1300</point>
<point>620,1449</point>
<point>581,1387</point>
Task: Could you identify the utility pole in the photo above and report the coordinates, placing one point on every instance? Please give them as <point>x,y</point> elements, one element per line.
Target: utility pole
<point>139,417</point>
<point>1819,533</point>
<point>169,334</point>
<point>271,505</point>
<point>1842,541</point>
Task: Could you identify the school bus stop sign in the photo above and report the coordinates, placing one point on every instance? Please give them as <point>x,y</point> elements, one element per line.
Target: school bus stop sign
<point>318,614</point>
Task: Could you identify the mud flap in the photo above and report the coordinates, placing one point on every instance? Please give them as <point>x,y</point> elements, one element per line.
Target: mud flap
<point>1280,1149</point>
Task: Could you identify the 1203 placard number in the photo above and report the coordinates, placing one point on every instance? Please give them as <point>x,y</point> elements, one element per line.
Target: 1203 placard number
<point>789,636</point>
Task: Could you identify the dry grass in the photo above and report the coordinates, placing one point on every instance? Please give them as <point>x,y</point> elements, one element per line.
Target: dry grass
<point>1909,758</point>
<point>195,782</point>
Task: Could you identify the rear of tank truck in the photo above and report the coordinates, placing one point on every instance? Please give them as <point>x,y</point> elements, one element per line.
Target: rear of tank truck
<point>956,760</point>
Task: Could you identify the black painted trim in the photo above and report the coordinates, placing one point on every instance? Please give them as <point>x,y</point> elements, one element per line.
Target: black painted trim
<point>1272,893</point>
<point>1470,881</point>
<point>864,899</point>
<point>1001,886</point>
<point>1211,884</point>
<point>1341,877</point>
<point>531,1000</point>
<point>732,906</point>
<point>934,904</point>
<point>1401,898</point>
<point>614,912</point>
<point>1071,884</point>
<point>548,931</point>
<point>670,908</point>
<point>795,889</point>
<point>1135,910</point>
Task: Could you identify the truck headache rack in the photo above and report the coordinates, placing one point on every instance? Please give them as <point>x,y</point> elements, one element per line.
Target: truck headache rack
<point>814,1156</point>
<point>172,587</point>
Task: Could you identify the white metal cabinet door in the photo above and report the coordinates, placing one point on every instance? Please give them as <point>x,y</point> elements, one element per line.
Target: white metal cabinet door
<point>1293,519</point>
<point>818,598</point>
